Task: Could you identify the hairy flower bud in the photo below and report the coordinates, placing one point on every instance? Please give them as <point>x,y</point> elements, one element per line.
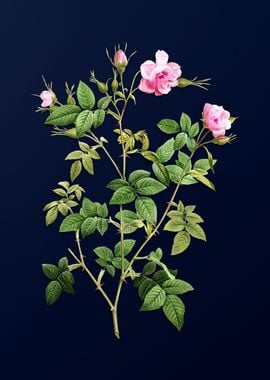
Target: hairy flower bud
<point>103,88</point>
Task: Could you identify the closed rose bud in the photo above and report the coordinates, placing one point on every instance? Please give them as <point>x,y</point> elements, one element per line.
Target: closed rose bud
<point>114,85</point>
<point>72,133</point>
<point>103,88</point>
<point>183,82</point>
<point>120,61</point>
<point>222,140</point>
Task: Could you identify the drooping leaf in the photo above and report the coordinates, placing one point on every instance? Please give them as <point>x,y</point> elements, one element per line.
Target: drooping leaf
<point>154,299</point>
<point>174,310</point>
<point>168,126</point>
<point>191,144</point>
<point>166,151</point>
<point>176,287</point>
<point>149,186</point>
<point>63,116</point>
<point>85,95</point>
<point>84,122</point>
<point>53,292</point>
<point>146,209</point>
<point>203,179</point>
<point>123,195</point>
<point>88,226</point>
<point>71,223</point>
<point>181,242</point>
<point>50,271</point>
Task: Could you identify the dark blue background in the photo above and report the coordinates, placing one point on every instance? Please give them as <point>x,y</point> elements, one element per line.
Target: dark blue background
<point>226,330</point>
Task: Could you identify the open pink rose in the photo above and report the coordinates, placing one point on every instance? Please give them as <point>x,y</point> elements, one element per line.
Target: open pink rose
<point>216,119</point>
<point>47,98</point>
<point>160,76</point>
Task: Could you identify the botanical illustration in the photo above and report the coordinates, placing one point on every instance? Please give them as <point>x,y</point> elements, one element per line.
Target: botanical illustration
<point>182,159</point>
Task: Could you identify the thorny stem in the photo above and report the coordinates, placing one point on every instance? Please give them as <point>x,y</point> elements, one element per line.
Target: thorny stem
<point>87,270</point>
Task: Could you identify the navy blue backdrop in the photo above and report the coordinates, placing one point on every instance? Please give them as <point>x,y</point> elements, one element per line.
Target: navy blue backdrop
<point>226,326</point>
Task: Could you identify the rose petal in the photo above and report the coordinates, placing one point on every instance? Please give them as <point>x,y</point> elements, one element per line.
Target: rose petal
<point>161,57</point>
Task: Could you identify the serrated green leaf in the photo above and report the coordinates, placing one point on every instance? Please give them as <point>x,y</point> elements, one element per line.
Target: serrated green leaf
<point>101,262</point>
<point>63,209</point>
<point>102,226</point>
<point>102,211</point>
<point>117,263</point>
<point>175,173</point>
<point>128,244</point>
<point>194,130</point>
<point>180,141</point>
<point>104,253</point>
<point>156,255</point>
<point>146,209</point>
<point>174,310</point>
<point>94,154</point>
<point>127,216</point>
<point>160,276</point>
<point>63,116</point>
<point>104,102</point>
<point>161,173</point>
<point>176,287</point>
<point>203,180</point>
<point>174,225</point>
<point>184,161</point>
<point>145,286</point>
<point>196,231</point>
<point>99,117</point>
<point>166,151</point>
<point>84,122</point>
<point>50,205</point>
<point>84,147</point>
<point>71,223</point>
<point>89,207</point>
<point>53,292</point>
<point>149,268</point>
<point>154,299</point>
<point>149,186</point>
<point>185,122</point>
<point>181,242</point>
<point>50,271</point>
<point>51,215</point>
<point>189,209</point>
<point>136,175</point>
<point>63,264</point>
<point>88,226</point>
<point>115,184</point>
<point>191,144</point>
<point>60,192</point>
<point>65,280</point>
<point>203,164</point>
<point>150,156</point>
<point>88,163</point>
<point>75,170</point>
<point>168,126</point>
<point>64,184</point>
<point>111,270</point>
<point>176,214</point>
<point>138,281</point>
<point>123,195</point>
<point>75,155</point>
<point>85,95</point>
<point>194,218</point>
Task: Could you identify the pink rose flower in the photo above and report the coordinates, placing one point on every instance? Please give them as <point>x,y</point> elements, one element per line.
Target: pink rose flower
<point>216,119</point>
<point>47,98</point>
<point>160,76</point>
<point>120,58</point>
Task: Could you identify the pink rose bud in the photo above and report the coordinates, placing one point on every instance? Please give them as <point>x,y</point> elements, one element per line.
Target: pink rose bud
<point>216,119</point>
<point>47,98</point>
<point>159,77</point>
<point>120,61</point>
